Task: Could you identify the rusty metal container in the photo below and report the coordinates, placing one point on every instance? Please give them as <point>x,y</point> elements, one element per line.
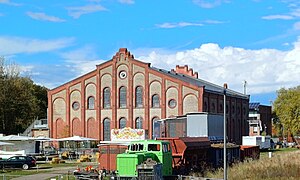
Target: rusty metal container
<point>251,152</point>
<point>108,156</point>
<point>188,153</point>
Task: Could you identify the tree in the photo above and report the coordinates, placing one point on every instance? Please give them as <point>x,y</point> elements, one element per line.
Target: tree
<point>21,101</point>
<point>287,109</point>
<point>276,126</point>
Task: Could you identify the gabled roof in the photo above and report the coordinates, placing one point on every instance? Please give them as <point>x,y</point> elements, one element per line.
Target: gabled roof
<point>16,138</point>
<point>210,87</point>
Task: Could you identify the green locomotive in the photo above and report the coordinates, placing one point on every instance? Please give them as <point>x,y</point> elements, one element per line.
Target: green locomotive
<point>145,158</point>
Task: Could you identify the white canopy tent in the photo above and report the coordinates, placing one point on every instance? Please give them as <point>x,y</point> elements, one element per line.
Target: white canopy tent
<point>45,143</point>
<point>76,140</point>
<point>43,139</point>
<point>19,143</point>
<point>15,138</point>
<point>6,144</point>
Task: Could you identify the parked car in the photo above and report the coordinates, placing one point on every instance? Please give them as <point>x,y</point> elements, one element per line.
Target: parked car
<point>24,162</point>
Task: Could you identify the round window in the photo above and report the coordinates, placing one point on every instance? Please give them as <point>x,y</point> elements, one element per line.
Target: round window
<point>123,74</point>
<point>172,103</point>
<point>75,106</point>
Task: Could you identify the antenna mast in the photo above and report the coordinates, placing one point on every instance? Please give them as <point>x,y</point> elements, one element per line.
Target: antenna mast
<point>245,87</point>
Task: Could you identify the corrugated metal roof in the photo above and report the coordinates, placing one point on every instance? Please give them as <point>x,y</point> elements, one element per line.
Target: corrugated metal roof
<point>254,106</point>
<point>199,82</point>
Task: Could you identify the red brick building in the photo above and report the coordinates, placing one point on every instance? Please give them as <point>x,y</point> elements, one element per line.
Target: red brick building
<point>126,92</point>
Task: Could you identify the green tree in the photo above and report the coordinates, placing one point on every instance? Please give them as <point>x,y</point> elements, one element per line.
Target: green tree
<point>287,109</point>
<point>21,101</point>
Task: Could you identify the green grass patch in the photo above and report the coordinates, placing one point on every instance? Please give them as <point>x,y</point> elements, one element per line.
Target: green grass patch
<point>21,172</point>
<point>14,173</point>
<point>40,168</point>
<point>48,165</point>
<point>285,164</point>
<point>277,151</point>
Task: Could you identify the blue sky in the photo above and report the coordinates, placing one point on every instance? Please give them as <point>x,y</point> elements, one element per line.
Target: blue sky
<point>223,40</point>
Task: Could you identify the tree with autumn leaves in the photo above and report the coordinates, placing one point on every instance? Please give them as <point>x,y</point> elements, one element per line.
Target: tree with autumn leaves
<point>21,101</point>
<point>287,111</point>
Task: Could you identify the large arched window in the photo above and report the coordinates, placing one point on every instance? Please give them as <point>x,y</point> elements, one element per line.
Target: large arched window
<point>139,96</point>
<point>106,97</point>
<point>122,98</point>
<point>91,102</point>
<point>155,101</point>
<point>106,129</point>
<point>139,123</point>
<point>122,123</point>
<point>155,128</point>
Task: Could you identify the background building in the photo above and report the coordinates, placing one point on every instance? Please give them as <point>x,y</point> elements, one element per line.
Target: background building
<point>260,119</point>
<point>124,92</point>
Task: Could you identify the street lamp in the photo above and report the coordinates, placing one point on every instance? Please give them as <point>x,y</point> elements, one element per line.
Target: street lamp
<point>225,153</point>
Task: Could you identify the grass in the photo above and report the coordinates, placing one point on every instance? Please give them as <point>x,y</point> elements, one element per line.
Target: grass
<point>285,164</point>
<point>41,168</point>
<point>13,173</point>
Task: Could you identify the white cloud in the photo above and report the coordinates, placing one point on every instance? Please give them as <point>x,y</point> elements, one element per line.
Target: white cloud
<point>213,22</point>
<point>286,44</point>
<point>44,17</point>
<point>209,3</point>
<point>278,16</point>
<point>126,1</point>
<point>14,45</point>
<point>76,12</point>
<point>265,70</point>
<point>168,25</point>
<point>293,14</point>
<point>82,60</point>
<point>8,2</point>
<point>29,70</point>
<point>296,26</point>
<point>175,25</point>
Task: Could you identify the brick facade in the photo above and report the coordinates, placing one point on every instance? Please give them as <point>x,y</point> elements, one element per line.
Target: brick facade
<point>69,113</point>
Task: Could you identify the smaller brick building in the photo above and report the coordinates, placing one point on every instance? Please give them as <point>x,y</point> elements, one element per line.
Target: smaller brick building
<point>260,119</point>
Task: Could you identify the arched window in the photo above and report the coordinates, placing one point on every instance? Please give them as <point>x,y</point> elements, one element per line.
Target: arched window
<point>122,98</point>
<point>91,102</point>
<point>139,123</point>
<point>139,96</point>
<point>122,123</point>
<point>106,97</point>
<point>155,101</point>
<point>155,128</point>
<point>213,107</point>
<point>106,129</point>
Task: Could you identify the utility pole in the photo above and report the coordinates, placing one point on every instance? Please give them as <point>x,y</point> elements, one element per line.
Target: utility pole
<point>225,126</point>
